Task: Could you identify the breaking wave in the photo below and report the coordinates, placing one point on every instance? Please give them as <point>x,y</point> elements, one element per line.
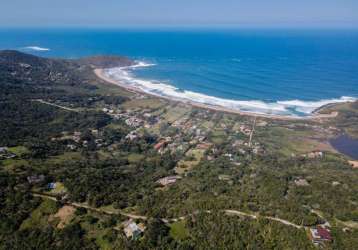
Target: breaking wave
<point>36,48</point>
<point>295,108</point>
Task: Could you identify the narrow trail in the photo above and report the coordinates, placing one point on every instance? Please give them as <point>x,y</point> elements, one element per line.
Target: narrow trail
<point>99,210</point>
<point>56,105</point>
<point>252,132</point>
<point>167,220</point>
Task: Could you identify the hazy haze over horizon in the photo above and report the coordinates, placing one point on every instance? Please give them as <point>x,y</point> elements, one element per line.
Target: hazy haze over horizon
<point>226,13</point>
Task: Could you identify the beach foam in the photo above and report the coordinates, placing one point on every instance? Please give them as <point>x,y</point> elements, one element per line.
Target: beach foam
<point>36,48</point>
<point>293,108</point>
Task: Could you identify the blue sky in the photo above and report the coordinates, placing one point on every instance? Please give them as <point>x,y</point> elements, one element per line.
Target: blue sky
<point>119,13</point>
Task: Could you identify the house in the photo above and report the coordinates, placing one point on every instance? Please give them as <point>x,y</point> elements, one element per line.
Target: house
<point>301,182</point>
<point>133,230</point>
<point>5,154</point>
<point>51,185</point>
<point>168,180</point>
<point>132,135</point>
<point>320,235</point>
<point>33,179</point>
<point>95,132</point>
<point>71,146</point>
<point>3,150</point>
<point>76,136</point>
<point>230,156</point>
<point>160,145</point>
<point>204,146</point>
<point>238,143</point>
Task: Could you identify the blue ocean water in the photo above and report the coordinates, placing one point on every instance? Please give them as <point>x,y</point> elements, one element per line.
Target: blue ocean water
<point>267,71</point>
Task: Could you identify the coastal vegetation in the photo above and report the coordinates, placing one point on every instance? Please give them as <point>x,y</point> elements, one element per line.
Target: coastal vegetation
<point>80,160</point>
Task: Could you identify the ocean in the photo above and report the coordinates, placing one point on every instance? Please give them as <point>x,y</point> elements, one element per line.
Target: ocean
<point>284,72</point>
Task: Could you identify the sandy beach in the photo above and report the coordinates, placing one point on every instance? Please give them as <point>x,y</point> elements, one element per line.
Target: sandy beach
<point>315,116</point>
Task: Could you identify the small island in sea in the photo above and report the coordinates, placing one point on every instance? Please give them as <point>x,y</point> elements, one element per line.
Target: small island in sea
<point>87,162</point>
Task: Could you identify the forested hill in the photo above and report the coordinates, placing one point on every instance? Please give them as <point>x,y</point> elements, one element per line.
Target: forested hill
<point>25,75</point>
<point>82,162</point>
<point>17,67</point>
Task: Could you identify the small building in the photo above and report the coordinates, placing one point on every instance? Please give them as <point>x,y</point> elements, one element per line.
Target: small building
<point>71,147</point>
<point>320,235</point>
<point>3,149</point>
<point>168,180</point>
<point>132,135</point>
<point>51,185</point>
<point>133,230</point>
<point>204,146</point>
<point>33,179</point>
<point>95,132</point>
<point>5,154</point>
<point>160,145</point>
<point>301,182</point>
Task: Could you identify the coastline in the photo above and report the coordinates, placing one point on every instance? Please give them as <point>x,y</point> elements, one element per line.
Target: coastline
<point>315,115</point>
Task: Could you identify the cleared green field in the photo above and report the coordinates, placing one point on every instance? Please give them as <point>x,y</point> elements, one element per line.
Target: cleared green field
<point>192,158</point>
<point>19,150</point>
<point>11,164</point>
<point>39,217</point>
<point>287,141</point>
<point>97,233</point>
<point>150,103</point>
<point>218,136</point>
<point>67,156</point>
<point>59,189</point>
<point>178,230</point>
<point>175,113</point>
<point>135,158</point>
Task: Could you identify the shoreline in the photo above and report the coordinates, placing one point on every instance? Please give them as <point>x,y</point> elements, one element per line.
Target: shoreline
<point>315,115</point>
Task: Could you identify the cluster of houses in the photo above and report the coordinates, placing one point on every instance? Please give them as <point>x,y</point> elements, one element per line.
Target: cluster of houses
<point>313,155</point>
<point>76,140</point>
<point>133,118</point>
<point>6,154</point>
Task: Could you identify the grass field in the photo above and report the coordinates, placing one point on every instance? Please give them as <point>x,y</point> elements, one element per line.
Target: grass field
<point>59,189</point>
<point>287,141</point>
<point>39,217</point>
<point>218,136</point>
<point>186,165</point>
<point>150,103</point>
<point>19,150</point>
<point>175,113</point>
<point>178,230</point>
<point>66,157</point>
<point>135,158</point>
<point>11,164</point>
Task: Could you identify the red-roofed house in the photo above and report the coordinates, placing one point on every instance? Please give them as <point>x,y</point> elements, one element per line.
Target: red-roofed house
<point>320,234</point>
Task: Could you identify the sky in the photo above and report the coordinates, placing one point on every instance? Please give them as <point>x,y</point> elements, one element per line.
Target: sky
<point>181,13</point>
